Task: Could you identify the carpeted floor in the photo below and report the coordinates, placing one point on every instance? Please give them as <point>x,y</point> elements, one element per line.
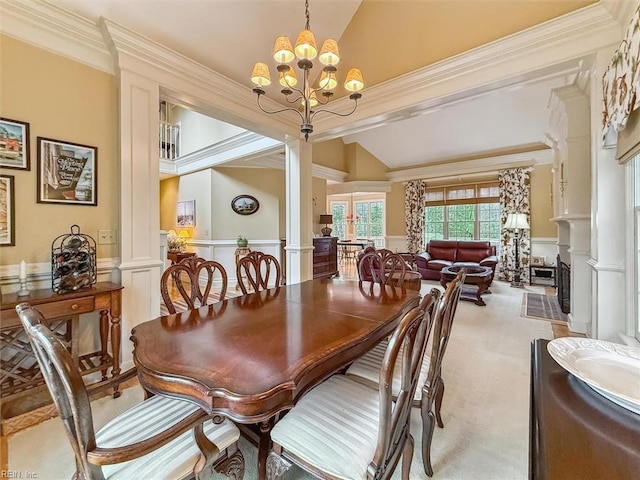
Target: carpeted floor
<point>485,407</point>
<point>543,307</point>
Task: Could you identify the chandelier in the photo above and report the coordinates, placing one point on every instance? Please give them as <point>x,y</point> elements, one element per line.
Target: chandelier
<point>306,98</point>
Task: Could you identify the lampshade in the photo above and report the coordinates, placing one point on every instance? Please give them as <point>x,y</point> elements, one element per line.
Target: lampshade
<point>516,220</point>
<point>172,233</point>
<point>328,80</point>
<point>329,52</point>
<point>184,234</point>
<point>306,45</point>
<point>354,81</point>
<point>325,219</point>
<point>288,78</point>
<point>282,51</point>
<point>260,75</point>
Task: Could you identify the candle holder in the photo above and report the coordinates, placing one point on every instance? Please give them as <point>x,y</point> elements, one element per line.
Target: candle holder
<point>24,291</point>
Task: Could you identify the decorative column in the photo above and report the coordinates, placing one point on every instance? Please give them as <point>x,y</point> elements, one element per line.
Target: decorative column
<point>570,119</point>
<point>299,210</point>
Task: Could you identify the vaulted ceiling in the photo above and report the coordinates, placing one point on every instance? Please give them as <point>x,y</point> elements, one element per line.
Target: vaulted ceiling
<point>387,40</point>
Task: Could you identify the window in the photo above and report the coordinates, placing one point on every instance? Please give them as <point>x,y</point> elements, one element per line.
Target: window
<point>634,195</point>
<point>369,221</point>
<point>339,212</point>
<point>463,212</point>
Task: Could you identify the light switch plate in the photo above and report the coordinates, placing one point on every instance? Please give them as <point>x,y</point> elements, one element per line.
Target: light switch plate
<point>106,237</point>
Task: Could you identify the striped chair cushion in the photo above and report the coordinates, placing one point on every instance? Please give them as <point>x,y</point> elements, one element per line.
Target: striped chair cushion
<point>174,460</point>
<point>333,428</point>
<point>367,369</point>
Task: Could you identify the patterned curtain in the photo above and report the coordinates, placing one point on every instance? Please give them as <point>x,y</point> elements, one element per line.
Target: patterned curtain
<point>621,83</point>
<point>414,214</point>
<point>515,188</point>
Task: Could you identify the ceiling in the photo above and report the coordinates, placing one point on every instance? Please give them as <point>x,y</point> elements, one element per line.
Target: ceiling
<point>230,35</point>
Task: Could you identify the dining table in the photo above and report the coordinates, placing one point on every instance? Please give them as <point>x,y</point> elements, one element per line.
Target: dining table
<point>251,357</point>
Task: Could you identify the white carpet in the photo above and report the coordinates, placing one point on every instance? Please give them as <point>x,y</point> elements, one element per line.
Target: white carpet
<point>485,408</point>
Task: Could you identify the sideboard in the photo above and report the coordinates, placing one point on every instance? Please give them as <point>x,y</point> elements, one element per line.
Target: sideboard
<point>21,383</point>
<point>325,257</point>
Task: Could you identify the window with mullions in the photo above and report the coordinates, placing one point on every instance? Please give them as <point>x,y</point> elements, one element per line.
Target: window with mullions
<point>339,212</point>
<point>370,221</point>
<point>467,212</point>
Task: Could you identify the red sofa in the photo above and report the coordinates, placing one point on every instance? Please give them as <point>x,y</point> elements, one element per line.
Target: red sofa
<point>444,253</point>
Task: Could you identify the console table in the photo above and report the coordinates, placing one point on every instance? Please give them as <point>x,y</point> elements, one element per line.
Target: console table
<point>21,383</point>
<point>575,432</point>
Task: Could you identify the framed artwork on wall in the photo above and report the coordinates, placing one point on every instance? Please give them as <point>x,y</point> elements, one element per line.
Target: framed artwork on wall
<point>14,144</point>
<point>67,172</point>
<point>7,211</point>
<point>245,205</point>
<point>538,261</point>
<point>186,213</point>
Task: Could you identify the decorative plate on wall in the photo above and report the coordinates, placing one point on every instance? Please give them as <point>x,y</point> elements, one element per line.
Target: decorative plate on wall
<point>245,205</point>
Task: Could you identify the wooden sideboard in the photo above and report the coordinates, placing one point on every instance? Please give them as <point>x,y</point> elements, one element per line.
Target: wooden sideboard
<point>21,383</point>
<point>325,257</point>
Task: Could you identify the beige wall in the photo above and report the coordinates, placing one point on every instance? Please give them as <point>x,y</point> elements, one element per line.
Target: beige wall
<point>320,205</point>
<point>541,206</point>
<point>395,210</point>
<point>168,200</point>
<point>362,165</point>
<point>68,101</point>
<point>330,154</point>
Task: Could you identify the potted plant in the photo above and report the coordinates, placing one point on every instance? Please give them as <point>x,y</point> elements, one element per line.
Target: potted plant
<point>242,241</point>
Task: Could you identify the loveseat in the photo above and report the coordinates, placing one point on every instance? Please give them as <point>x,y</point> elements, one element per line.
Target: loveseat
<point>444,253</point>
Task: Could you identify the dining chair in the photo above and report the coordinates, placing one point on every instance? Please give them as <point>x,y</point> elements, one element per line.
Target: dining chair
<point>193,278</point>
<point>430,394</point>
<point>159,438</point>
<point>256,269</point>
<point>344,429</point>
<point>382,266</point>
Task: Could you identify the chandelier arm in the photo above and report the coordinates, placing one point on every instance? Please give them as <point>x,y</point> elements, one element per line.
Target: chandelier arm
<point>355,105</point>
<point>285,109</point>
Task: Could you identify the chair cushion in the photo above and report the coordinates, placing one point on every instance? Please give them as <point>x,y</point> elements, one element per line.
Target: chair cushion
<point>174,460</point>
<point>333,428</point>
<point>367,370</point>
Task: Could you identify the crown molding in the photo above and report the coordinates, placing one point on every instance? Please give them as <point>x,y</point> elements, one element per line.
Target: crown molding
<point>327,173</point>
<point>478,166</point>
<point>553,48</point>
<point>621,10</point>
<point>56,30</point>
<point>359,186</point>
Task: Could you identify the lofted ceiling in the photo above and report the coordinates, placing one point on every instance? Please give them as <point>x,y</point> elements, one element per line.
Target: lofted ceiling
<point>229,36</point>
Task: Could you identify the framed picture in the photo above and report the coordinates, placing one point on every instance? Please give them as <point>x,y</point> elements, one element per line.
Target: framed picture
<point>538,261</point>
<point>245,205</point>
<point>67,172</point>
<point>7,211</point>
<point>14,144</point>
<point>186,214</point>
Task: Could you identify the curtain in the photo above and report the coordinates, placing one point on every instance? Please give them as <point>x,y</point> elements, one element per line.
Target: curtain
<point>414,214</point>
<point>621,83</point>
<point>515,188</point>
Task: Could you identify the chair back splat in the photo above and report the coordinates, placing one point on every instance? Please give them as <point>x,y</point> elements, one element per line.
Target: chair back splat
<point>159,438</point>
<point>194,278</point>
<point>345,429</point>
<point>382,266</point>
<point>255,270</point>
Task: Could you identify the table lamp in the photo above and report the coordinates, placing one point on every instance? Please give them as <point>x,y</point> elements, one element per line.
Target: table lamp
<point>516,222</point>
<point>326,219</point>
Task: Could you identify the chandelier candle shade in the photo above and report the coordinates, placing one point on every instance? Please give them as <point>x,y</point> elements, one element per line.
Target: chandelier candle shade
<point>326,220</point>
<point>516,222</point>
<point>306,98</point>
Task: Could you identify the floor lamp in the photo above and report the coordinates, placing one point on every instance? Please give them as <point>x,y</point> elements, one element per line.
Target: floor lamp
<point>516,222</point>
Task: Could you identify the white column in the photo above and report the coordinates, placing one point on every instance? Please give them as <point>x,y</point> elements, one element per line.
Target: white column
<point>608,222</point>
<point>579,238</point>
<point>299,211</point>
<point>141,265</point>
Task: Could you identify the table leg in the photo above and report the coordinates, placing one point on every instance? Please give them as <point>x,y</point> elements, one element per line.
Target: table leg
<point>264,447</point>
<point>104,337</point>
<point>482,288</point>
<point>116,300</point>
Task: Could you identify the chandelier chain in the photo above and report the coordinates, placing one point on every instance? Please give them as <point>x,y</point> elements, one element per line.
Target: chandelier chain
<point>306,13</point>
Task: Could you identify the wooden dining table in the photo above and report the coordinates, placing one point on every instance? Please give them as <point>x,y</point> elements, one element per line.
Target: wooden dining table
<point>254,356</point>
